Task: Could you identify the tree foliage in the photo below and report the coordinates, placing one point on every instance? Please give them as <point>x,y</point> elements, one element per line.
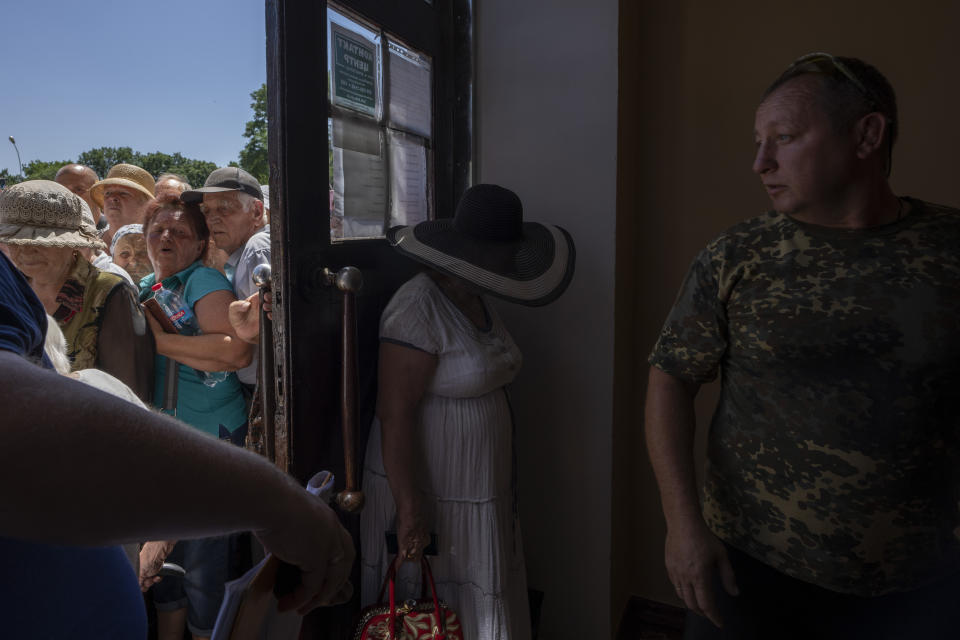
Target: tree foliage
<point>102,158</point>
<point>42,170</point>
<point>253,157</point>
<point>8,179</point>
<point>36,170</point>
<point>195,171</point>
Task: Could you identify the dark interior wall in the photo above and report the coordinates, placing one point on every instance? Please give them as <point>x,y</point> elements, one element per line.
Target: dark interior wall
<point>546,82</point>
<point>691,73</point>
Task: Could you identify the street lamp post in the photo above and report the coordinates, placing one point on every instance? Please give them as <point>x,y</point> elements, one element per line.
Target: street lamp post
<point>14,143</point>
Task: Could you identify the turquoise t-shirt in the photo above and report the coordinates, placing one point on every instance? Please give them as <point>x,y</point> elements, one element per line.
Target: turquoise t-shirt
<point>215,409</point>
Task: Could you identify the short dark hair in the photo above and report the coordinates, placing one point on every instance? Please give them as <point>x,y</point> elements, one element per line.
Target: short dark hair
<point>843,101</point>
<point>192,214</point>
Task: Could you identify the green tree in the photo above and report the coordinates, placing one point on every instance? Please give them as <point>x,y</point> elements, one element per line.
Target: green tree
<point>35,170</point>
<point>102,158</point>
<point>8,179</point>
<point>195,171</point>
<point>42,170</point>
<point>253,157</point>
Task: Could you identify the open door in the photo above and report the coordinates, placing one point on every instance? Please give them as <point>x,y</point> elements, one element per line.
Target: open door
<point>369,108</point>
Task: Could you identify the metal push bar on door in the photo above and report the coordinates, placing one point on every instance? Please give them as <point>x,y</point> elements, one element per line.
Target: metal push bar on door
<point>348,280</point>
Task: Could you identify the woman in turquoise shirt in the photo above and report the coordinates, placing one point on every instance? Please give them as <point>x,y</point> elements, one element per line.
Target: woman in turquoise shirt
<point>177,242</point>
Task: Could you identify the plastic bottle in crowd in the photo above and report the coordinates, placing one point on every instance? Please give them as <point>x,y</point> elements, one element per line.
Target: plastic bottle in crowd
<point>185,323</point>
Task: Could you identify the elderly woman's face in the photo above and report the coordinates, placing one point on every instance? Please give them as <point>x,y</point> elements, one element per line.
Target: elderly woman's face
<point>45,264</point>
<point>131,254</point>
<point>172,243</point>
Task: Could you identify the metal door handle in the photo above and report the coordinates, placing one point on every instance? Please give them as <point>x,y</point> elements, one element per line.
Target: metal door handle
<point>349,280</point>
<point>262,278</point>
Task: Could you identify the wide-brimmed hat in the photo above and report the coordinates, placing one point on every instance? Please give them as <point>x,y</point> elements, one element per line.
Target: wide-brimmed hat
<point>45,213</point>
<point>124,175</point>
<point>488,244</point>
<point>225,179</point>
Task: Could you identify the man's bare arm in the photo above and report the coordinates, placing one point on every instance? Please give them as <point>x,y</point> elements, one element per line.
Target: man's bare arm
<point>692,553</point>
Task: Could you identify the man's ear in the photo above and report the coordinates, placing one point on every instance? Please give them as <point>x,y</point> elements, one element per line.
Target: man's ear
<point>258,212</point>
<point>871,131</point>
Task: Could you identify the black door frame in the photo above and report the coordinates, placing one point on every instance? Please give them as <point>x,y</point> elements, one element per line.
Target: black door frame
<point>307,313</point>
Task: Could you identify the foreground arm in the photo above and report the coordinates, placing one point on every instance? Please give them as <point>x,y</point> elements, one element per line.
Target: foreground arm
<point>693,554</point>
<point>72,461</point>
<point>404,374</point>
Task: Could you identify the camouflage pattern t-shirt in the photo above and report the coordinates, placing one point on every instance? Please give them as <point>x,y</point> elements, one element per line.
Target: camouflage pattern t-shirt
<point>833,452</point>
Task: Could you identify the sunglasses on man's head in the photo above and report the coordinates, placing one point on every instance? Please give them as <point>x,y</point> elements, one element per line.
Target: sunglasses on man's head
<point>826,63</point>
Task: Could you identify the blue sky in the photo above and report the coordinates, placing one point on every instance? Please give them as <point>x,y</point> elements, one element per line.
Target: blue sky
<point>167,76</point>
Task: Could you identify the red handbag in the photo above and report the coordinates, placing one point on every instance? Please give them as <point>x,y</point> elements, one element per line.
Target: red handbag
<point>426,618</point>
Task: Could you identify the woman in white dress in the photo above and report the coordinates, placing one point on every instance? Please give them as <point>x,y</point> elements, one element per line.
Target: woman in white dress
<point>440,458</point>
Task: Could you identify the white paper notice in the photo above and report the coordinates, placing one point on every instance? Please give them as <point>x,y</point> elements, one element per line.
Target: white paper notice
<point>410,104</point>
<point>359,181</point>
<point>408,179</point>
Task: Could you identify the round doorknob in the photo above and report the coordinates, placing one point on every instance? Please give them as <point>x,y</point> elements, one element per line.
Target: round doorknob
<point>262,275</point>
<point>349,279</point>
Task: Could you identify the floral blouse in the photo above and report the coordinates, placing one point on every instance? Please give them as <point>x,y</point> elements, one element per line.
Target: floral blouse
<point>105,328</point>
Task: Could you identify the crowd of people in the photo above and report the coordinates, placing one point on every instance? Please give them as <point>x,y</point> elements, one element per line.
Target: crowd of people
<point>147,291</point>
<point>92,251</point>
<point>81,256</point>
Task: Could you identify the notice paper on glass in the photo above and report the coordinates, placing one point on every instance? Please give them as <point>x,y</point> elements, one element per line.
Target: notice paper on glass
<point>409,202</point>
<point>359,179</point>
<point>353,70</point>
<point>410,104</point>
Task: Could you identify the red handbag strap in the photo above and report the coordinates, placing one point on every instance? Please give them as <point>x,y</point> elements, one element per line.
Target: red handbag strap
<point>390,577</point>
<point>393,607</point>
<point>428,574</point>
<point>426,577</point>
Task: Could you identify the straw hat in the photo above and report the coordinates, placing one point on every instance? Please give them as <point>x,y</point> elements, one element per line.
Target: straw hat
<point>488,244</point>
<point>44,213</point>
<point>124,175</point>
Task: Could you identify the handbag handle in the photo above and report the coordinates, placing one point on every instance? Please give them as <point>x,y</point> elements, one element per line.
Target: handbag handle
<point>426,577</point>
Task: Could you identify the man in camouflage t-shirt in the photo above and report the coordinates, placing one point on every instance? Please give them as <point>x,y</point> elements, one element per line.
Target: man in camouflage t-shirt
<point>832,460</point>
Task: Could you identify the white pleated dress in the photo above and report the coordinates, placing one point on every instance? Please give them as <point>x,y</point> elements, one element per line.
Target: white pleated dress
<point>465,432</point>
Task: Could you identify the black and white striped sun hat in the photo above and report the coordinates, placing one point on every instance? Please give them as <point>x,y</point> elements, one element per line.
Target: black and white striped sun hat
<point>488,244</point>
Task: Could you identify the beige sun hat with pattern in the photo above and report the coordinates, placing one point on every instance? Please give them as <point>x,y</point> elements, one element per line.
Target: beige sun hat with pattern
<point>124,175</point>
<point>44,213</point>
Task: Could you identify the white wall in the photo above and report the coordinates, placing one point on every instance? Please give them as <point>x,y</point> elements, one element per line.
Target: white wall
<point>546,128</point>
